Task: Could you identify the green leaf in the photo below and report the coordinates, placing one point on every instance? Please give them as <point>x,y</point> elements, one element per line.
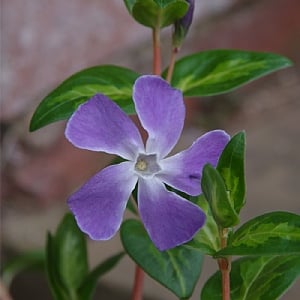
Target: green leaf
<point>220,71</point>
<point>213,188</point>
<point>256,278</point>
<point>157,14</point>
<point>72,251</point>
<point>66,263</point>
<point>129,5</point>
<point>207,239</point>
<point>275,233</point>
<point>33,260</point>
<point>57,287</point>
<point>231,168</point>
<point>177,269</point>
<point>89,284</point>
<point>112,81</point>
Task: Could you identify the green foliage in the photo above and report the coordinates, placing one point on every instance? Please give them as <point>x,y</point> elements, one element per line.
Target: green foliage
<point>214,189</point>
<point>66,259</point>
<point>256,278</point>
<point>231,168</point>
<point>224,189</point>
<point>207,239</point>
<point>177,269</point>
<point>274,233</point>
<point>113,81</point>
<point>88,285</point>
<point>269,243</point>
<point>33,260</point>
<point>129,5</point>
<point>156,13</point>
<point>67,265</point>
<point>220,71</point>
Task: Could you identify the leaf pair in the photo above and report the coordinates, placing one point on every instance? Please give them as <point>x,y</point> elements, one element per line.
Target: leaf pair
<point>202,74</point>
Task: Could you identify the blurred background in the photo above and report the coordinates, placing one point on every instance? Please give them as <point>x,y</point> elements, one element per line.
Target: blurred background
<point>43,42</point>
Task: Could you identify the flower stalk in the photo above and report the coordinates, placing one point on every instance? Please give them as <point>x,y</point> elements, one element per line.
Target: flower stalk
<point>175,50</point>
<point>180,30</point>
<point>156,51</point>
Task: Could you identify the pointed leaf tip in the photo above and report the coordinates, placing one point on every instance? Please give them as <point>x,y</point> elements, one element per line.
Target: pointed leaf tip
<point>220,71</point>
<point>112,81</point>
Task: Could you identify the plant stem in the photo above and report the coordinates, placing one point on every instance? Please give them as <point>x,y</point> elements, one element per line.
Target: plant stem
<point>175,50</point>
<point>4,294</point>
<point>156,51</point>
<point>137,292</point>
<point>133,201</point>
<point>225,266</point>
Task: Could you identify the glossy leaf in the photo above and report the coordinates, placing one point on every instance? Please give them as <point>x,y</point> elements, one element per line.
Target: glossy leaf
<point>157,14</point>
<point>66,261</point>
<point>112,81</point>
<point>220,71</point>
<point>34,260</point>
<point>275,233</point>
<point>206,240</point>
<point>256,278</point>
<point>56,284</point>
<point>231,168</point>
<point>213,187</point>
<point>89,284</point>
<point>177,269</point>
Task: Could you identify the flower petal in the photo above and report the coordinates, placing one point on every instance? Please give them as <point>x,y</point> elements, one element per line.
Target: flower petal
<point>100,125</point>
<point>99,205</point>
<point>161,111</point>
<point>183,171</point>
<point>169,219</point>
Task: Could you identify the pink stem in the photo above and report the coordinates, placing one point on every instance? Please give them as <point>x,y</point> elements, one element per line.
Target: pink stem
<point>137,292</point>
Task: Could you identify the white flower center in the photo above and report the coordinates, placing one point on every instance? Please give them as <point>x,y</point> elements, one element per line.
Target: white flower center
<point>147,165</point>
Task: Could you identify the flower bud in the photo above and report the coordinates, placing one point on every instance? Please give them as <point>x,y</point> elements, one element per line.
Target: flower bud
<point>182,25</point>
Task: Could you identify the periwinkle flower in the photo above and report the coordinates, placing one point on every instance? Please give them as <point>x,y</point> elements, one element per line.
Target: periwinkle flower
<point>100,125</point>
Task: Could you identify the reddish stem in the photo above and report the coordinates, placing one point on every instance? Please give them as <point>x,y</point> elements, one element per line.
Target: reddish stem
<point>225,266</point>
<point>137,292</point>
<point>156,51</point>
<point>172,64</point>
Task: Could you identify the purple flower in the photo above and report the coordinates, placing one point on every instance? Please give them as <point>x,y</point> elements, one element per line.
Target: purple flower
<point>100,125</point>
